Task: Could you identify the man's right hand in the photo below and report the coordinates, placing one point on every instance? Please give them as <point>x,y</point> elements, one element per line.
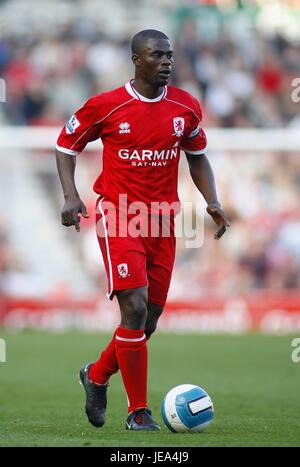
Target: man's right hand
<point>70,212</point>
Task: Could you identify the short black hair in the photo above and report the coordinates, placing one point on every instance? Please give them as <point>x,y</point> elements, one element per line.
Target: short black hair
<point>138,41</point>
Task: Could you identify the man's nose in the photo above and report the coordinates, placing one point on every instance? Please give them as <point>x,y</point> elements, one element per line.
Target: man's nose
<point>166,61</point>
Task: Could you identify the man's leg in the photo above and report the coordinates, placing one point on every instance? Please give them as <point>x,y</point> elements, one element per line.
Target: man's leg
<point>107,365</point>
<point>131,348</point>
<point>130,333</point>
<point>100,372</point>
<point>132,355</point>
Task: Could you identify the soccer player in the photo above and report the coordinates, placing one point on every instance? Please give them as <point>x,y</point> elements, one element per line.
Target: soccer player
<point>143,125</point>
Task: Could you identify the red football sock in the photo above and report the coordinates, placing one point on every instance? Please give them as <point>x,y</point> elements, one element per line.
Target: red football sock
<point>106,366</point>
<point>132,354</point>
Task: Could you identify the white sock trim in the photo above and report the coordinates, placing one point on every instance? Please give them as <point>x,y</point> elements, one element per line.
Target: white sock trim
<point>124,339</point>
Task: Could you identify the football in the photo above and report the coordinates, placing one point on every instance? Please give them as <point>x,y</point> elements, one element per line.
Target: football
<point>187,408</point>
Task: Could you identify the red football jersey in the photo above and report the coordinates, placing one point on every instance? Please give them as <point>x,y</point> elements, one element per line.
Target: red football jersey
<point>141,140</point>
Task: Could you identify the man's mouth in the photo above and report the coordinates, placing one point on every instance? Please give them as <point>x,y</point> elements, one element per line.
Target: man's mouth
<point>165,73</point>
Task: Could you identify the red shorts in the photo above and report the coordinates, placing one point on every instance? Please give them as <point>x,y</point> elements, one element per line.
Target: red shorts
<point>139,260</point>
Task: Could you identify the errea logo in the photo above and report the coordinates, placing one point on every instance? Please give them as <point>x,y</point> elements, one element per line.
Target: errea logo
<point>124,127</point>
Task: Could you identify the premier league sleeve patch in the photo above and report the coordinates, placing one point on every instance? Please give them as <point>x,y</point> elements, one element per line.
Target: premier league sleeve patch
<point>72,124</point>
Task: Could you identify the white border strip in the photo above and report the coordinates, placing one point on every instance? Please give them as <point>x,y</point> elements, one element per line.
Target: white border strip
<point>195,132</point>
<point>67,151</point>
<point>138,339</point>
<point>132,91</point>
<point>107,249</point>
<point>195,153</point>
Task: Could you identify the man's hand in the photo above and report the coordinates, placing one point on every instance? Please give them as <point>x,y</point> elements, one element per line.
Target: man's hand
<point>219,217</point>
<point>70,211</point>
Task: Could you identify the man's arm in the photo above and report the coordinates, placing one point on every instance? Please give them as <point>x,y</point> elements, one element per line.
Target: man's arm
<point>73,205</point>
<point>204,180</point>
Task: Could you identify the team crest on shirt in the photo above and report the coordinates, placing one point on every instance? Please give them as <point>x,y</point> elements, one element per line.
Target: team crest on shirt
<point>178,125</point>
<point>123,270</point>
<point>72,124</point>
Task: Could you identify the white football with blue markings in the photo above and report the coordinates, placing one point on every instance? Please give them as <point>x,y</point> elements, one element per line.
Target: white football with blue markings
<point>187,408</point>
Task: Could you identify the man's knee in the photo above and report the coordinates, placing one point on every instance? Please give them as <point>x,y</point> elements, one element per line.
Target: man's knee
<point>154,312</point>
<point>149,330</point>
<point>133,306</point>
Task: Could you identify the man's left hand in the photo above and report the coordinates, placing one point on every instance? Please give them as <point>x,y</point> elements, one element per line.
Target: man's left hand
<point>220,218</point>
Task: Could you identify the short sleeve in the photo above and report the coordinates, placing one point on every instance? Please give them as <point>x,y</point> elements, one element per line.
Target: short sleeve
<point>82,127</point>
<point>194,141</point>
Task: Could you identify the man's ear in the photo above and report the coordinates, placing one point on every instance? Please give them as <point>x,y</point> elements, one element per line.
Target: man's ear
<point>136,59</point>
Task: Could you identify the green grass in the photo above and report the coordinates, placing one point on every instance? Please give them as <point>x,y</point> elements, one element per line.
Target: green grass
<point>252,380</point>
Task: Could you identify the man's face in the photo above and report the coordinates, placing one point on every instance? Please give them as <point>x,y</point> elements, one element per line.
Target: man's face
<point>155,62</point>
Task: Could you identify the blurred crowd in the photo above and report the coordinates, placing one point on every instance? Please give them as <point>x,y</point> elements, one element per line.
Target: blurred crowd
<point>243,80</point>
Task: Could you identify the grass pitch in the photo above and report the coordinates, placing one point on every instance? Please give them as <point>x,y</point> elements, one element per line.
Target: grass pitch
<point>252,380</point>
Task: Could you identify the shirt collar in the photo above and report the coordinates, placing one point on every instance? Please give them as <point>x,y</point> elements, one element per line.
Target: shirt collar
<point>130,89</point>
